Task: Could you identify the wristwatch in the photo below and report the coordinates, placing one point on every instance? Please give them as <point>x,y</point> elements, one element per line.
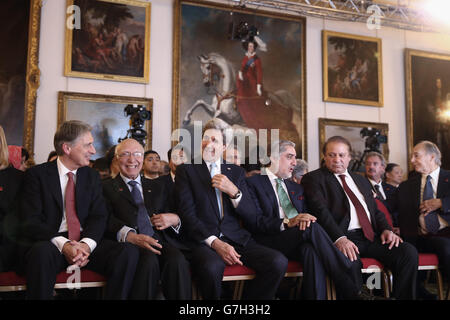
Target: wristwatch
<point>236,195</point>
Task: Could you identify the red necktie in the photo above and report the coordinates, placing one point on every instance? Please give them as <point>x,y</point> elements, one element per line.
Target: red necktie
<point>360,212</point>
<point>73,224</point>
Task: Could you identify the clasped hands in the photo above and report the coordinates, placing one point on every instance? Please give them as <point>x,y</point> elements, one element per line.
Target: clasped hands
<point>76,253</point>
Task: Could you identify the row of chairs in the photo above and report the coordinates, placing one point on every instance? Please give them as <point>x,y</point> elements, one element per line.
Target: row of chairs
<point>10,281</point>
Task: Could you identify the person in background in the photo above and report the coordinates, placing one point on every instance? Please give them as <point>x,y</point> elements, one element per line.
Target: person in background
<point>152,164</point>
<point>300,169</point>
<point>10,185</point>
<point>102,167</point>
<point>164,168</point>
<point>112,161</point>
<point>393,175</point>
<point>52,156</point>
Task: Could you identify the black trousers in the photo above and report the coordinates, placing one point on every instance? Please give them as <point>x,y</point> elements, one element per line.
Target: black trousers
<point>270,266</point>
<point>116,261</point>
<point>402,261</point>
<point>171,267</point>
<point>319,257</point>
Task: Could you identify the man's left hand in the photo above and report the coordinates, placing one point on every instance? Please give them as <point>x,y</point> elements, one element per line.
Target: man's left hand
<point>302,220</point>
<point>389,237</point>
<point>430,205</point>
<point>164,220</point>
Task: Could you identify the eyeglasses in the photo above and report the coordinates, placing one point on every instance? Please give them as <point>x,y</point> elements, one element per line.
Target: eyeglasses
<point>127,154</point>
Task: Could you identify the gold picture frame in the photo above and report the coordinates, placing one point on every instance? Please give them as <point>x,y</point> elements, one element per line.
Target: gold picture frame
<point>202,35</point>
<point>352,69</point>
<point>351,130</point>
<point>116,49</point>
<point>428,100</point>
<point>20,72</point>
<point>105,113</point>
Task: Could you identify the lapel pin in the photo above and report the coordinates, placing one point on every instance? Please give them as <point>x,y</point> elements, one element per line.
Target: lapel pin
<point>149,190</point>
<point>446,180</point>
<point>1,188</point>
<point>228,168</point>
<point>300,198</point>
<point>120,189</point>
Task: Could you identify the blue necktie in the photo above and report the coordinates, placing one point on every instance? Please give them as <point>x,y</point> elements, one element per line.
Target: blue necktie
<point>431,219</point>
<point>214,171</point>
<point>143,221</point>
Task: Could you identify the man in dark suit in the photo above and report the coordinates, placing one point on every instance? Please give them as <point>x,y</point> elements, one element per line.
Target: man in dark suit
<point>159,258</point>
<point>213,196</point>
<point>284,224</point>
<point>344,205</point>
<point>423,203</point>
<point>64,218</point>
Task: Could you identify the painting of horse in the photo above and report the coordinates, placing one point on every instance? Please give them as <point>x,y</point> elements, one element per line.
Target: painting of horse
<point>209,66</point>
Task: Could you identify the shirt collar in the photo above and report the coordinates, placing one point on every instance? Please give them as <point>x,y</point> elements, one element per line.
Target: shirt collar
<point>375,183</point>
<point>434,174</point>
<point>347,175</point>
<point>218,163</point>
<point>126,180</point>
<point>62,169</point>
<point>272,176</point>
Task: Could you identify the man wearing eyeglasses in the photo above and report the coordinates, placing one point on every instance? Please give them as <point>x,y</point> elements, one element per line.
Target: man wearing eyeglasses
<point>140,214</point>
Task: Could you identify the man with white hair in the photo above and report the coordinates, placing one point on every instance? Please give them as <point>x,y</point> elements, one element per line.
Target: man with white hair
<point>423,204</point>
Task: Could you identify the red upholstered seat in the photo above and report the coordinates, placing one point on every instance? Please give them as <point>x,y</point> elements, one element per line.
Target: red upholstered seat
<point>294,266</point>
<point>11,278</point>
<point>367,262</point>
<point>237,270</point>
<point>428,259</point>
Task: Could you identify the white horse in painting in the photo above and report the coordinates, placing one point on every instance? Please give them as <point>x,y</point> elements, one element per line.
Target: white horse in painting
<point>219,74</point>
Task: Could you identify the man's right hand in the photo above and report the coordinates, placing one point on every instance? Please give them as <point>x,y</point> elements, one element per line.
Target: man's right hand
<point>348,248</point>
<point>226,252</point>
<point>75,253</point>
<point>144,241</point>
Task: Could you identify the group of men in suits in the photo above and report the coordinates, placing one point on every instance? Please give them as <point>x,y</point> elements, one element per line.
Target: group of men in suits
<point>140,232</point>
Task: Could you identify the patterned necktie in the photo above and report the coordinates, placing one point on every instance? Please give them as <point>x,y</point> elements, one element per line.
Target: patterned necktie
<point>360,212</point>
<point>73,224</point>
<point>143,221</point>
<point>377,190</point>
<point>213,172</point>
<point>285,202</point>
<point>431,219</point>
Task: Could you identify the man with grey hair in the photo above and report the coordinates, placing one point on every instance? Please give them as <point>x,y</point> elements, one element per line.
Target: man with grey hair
<point>64,218</point>
<point>284,224</point>
<point>423,204</point>
<point>300,169</point>
<point>212,199</point>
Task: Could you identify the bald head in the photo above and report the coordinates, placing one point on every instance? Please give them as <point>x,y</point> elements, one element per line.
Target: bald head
<point>130,156</point>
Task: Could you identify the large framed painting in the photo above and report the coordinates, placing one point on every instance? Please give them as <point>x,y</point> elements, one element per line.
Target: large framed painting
<point>108,117</point>
<point>428,100</point>
<point>244,66</point>
<point>19,72</point>
<point>110,41</point>
<point>363,136</point>
<point>352,69</point>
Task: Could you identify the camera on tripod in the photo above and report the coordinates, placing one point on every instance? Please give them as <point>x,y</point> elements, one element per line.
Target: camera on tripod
<point>138,115</point>
<point>373,138</point>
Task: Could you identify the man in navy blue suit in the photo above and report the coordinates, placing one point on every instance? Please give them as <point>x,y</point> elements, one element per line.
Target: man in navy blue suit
<point>284,224</point>
<point>212,200</point>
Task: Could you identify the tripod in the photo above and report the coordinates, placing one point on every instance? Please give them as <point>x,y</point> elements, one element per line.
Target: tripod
<point>357,164</point>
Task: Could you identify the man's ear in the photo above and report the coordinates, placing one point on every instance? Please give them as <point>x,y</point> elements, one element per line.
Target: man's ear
<point>66,148</point>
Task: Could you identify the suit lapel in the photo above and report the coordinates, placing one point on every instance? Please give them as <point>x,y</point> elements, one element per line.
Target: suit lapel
<point>122,189</point>
<point>148,195</point>
<point>55,184</point>
<point>268,189</point>
<point>443,184</point>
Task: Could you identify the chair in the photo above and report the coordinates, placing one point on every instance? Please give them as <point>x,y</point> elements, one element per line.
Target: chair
<point>11,281</point>
<point>430,261</point>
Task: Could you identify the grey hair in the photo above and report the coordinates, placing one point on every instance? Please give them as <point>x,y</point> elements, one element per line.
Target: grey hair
<point>300,168</point>
<point>431,148</point>
<point>376,154</point>
<point>280,146</point>
<point>69,132</point>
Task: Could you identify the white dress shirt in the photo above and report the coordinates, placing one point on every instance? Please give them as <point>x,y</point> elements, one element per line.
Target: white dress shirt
<point>434,183</point>
<point>380,187</point>
<point>354,221</point>
<point>235,202</point>
<point>272,177</point>
<point>59,241</point>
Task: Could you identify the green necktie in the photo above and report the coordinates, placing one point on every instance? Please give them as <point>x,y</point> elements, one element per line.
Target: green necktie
<point>285,202</point>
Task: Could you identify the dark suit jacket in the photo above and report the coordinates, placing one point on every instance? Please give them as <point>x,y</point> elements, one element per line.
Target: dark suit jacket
<point>326,199</point>
<point>198,206</point>
<point>269,221</point>
<point>170,189</point>
<point>10,185</point>
<point>407,201</point>
<point>123,210</point>
<point>42,206</point>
